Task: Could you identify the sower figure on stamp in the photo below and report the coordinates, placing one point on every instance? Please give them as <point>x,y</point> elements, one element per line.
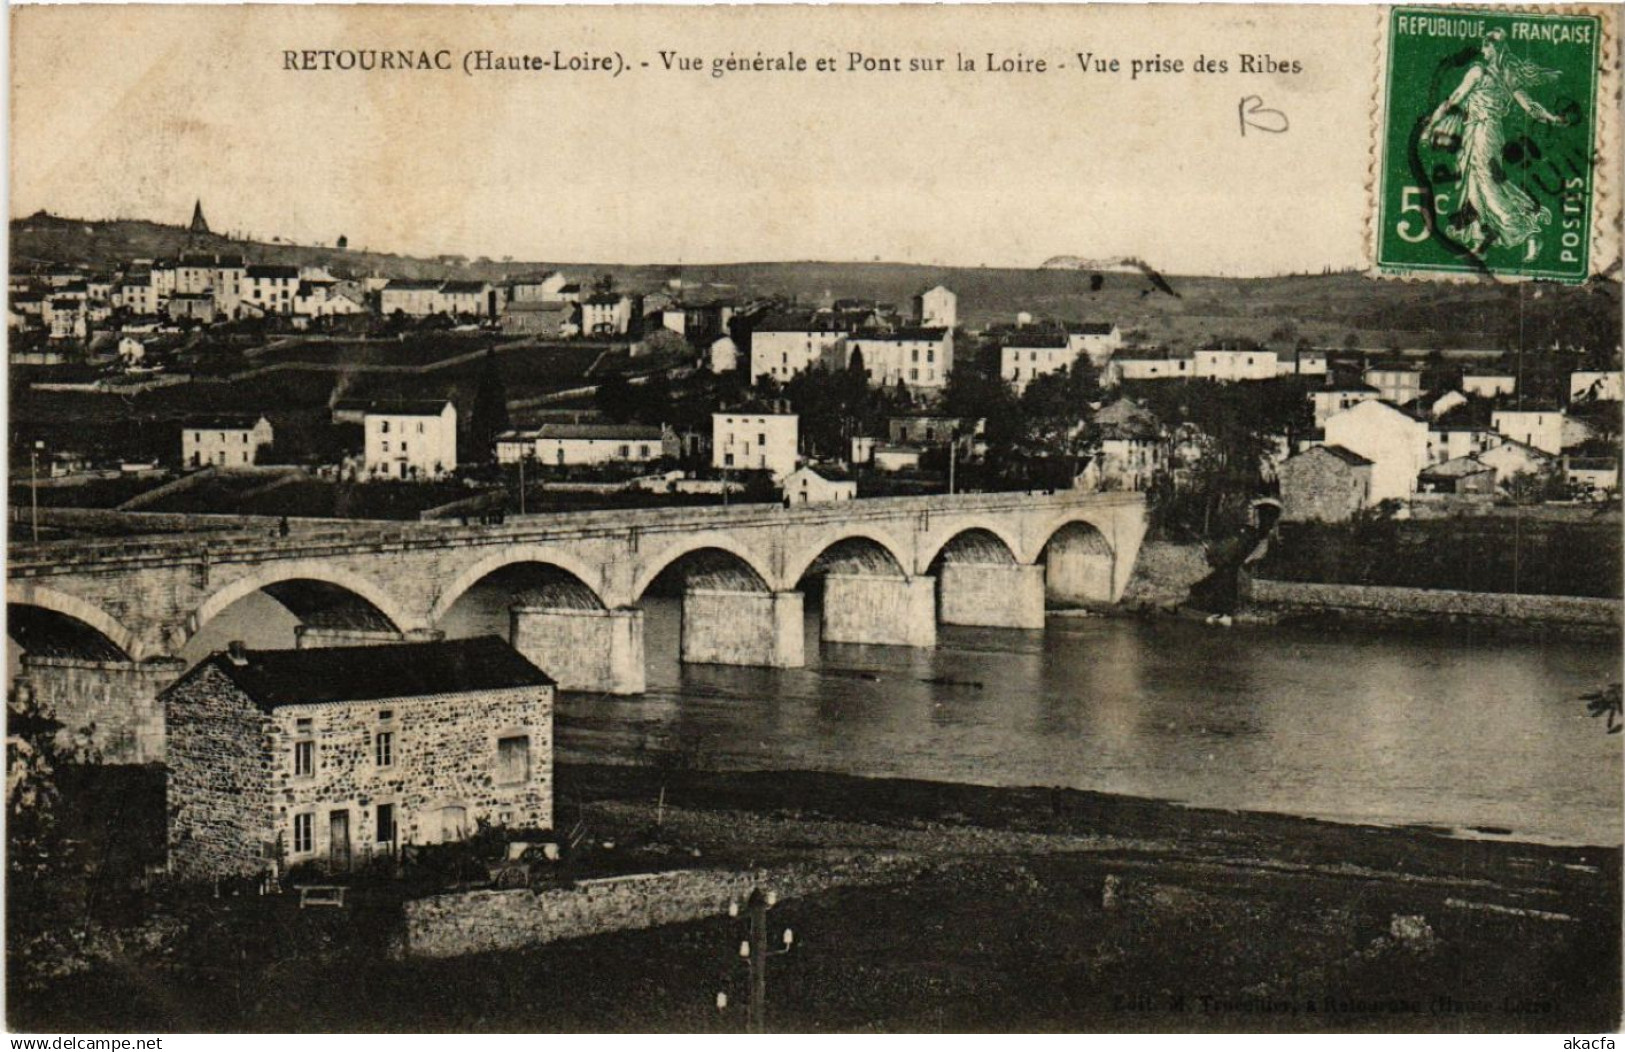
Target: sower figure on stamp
<point>1494,210</point>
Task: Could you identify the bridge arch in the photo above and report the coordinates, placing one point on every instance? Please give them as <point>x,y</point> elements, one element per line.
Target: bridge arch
<point>321,572</point>
<point>538,555</point>
<point>976,544</point>
<point>932,549</point>
<point>28,593</point>
<point>1080,564</point>
<point>693,545</point>
<point>856,548</point>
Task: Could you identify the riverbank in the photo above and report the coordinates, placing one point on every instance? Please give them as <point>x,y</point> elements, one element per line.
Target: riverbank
<point>1001,909</point>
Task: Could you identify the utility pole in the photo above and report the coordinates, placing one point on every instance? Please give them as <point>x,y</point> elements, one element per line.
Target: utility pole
<point>953,458</point>
<point>755,953</point>
<point>522,460</point>
<point>33,488</point>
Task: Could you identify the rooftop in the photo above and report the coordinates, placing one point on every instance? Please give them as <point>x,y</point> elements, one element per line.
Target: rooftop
<point>1346,455</point>
<point>601,431</point>
<point>1461,467</point>
<point>223,422</point>
<point>401,406</point>
<point>900,335</point>
<point>276,678</point>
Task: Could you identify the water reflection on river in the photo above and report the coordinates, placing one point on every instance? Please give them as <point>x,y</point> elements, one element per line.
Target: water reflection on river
<point>1443,730</point>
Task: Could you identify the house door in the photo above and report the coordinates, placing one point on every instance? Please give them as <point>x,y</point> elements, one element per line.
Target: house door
<point>338,840</point>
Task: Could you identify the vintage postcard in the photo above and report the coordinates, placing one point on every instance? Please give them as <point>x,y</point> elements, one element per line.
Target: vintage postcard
<point>710,520</point>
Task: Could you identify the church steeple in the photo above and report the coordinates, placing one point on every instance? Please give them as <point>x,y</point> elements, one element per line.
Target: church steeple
<point>199,224</point>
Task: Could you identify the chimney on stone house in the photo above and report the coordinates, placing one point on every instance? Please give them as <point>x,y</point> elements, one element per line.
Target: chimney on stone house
<point>237,652</point>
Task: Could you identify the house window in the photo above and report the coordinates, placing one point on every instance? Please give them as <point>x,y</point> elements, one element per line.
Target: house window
<point>386,824</point>
<point>304,759</point>
<point>304,834</point>
<point>420,428</point>
<point>384,748</point>
<point>513,760</point>
<point>643,452</point>
<point>386,446</point>
<point>383,426</point>
<point>623,451</point>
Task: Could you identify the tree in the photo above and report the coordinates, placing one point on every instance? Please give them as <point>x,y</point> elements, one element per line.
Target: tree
<point>614,398</point>
<point>604,284</point>
<point>489,417</point>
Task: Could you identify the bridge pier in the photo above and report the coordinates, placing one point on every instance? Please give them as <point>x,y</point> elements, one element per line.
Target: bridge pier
<point>1079,575</point>
<point>316,637</point>
<point>725,627</point>
<point>889,611</point>
<point>992,595</point>
<point>582,649</point>
<point>116,700</point>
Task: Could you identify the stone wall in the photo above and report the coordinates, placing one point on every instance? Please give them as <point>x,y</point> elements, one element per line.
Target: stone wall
<point>1414,604</point>
<point>486,921</point>
<point>1165,572</point>
<point>443,755</point>
<point>116,700</point>
<point>219,795</point>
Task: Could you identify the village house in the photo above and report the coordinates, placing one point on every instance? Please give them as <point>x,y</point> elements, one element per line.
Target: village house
<point>1395,442</point>
<point>1147,364</point>
<point>1512,457</point>
<point>1444,403</point>
<point>409,439</point>
<point>224,441</point>
<point>1094,340</point>
<point>936,308</point>
<point>1335,398</point>
<point>890,457</point>
<point>722,355</point>
<point>606,314</point>
<point>1461,477</point>
<point>1132,448</point>
<point>332,756</point>
<point>270,289</point>
<point>1324,484</point>
<point>1397,383</point>
<point>917,358</point>
<point>1486,383</point>
<point>1593,477</point>
<point>192,306</point>
<point>162,274</point>
<point>782,345</point>
<point>936,431</point>
<point>1305,361</point>
<point>755,441</point>
<point>1541,428</point>
<point>538,318</point>
<point>413,297</point>
<point>1030,354</point>
<point>825,485</point>
<point>541,288</point>
<point>1229,364</point>
<point>134,294</point>
<point>1452,441</point>
<point>570,445</point>
<point>66,318</point>
<point>467,299</point>
<point>1594,386</point>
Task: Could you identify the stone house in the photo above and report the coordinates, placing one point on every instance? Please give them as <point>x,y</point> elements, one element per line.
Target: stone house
<point>1462,477</point>
<point>335,755</point>
<point>1395,442</point>
<point>1324,484</point>
<point>225,441</point>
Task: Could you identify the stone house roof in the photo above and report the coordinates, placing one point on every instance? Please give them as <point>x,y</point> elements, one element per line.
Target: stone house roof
<point>276,678</point>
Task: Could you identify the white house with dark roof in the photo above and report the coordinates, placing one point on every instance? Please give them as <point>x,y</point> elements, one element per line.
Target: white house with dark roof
<point>409,439</point>
<point>270,289</point>
<point>936,308</point>
<point>782,345</point>
<point>333,756</point>
<point>573,445</point>
<point>919,359</point>
<point>223,441</point>
<point>1029,354</point>
<point>1395,442</point>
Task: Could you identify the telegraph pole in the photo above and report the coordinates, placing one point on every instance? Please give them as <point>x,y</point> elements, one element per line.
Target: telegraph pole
<point>522,460</point>
<point>755,953</point>
<point>33,488</point>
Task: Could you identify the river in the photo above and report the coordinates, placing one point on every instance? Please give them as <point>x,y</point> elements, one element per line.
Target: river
<point>1440,730</point>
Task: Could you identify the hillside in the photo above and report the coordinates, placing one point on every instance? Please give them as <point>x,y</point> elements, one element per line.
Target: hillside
<point>1326,309</point>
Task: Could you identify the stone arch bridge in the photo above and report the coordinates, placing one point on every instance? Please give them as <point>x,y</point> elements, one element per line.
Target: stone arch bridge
<point>890,569</point>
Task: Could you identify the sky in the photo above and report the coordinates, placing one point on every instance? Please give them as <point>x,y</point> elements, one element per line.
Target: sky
<point>138,111</point>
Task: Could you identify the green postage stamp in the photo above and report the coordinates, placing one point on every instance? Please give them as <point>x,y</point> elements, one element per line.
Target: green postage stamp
<point>1489,143</point>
